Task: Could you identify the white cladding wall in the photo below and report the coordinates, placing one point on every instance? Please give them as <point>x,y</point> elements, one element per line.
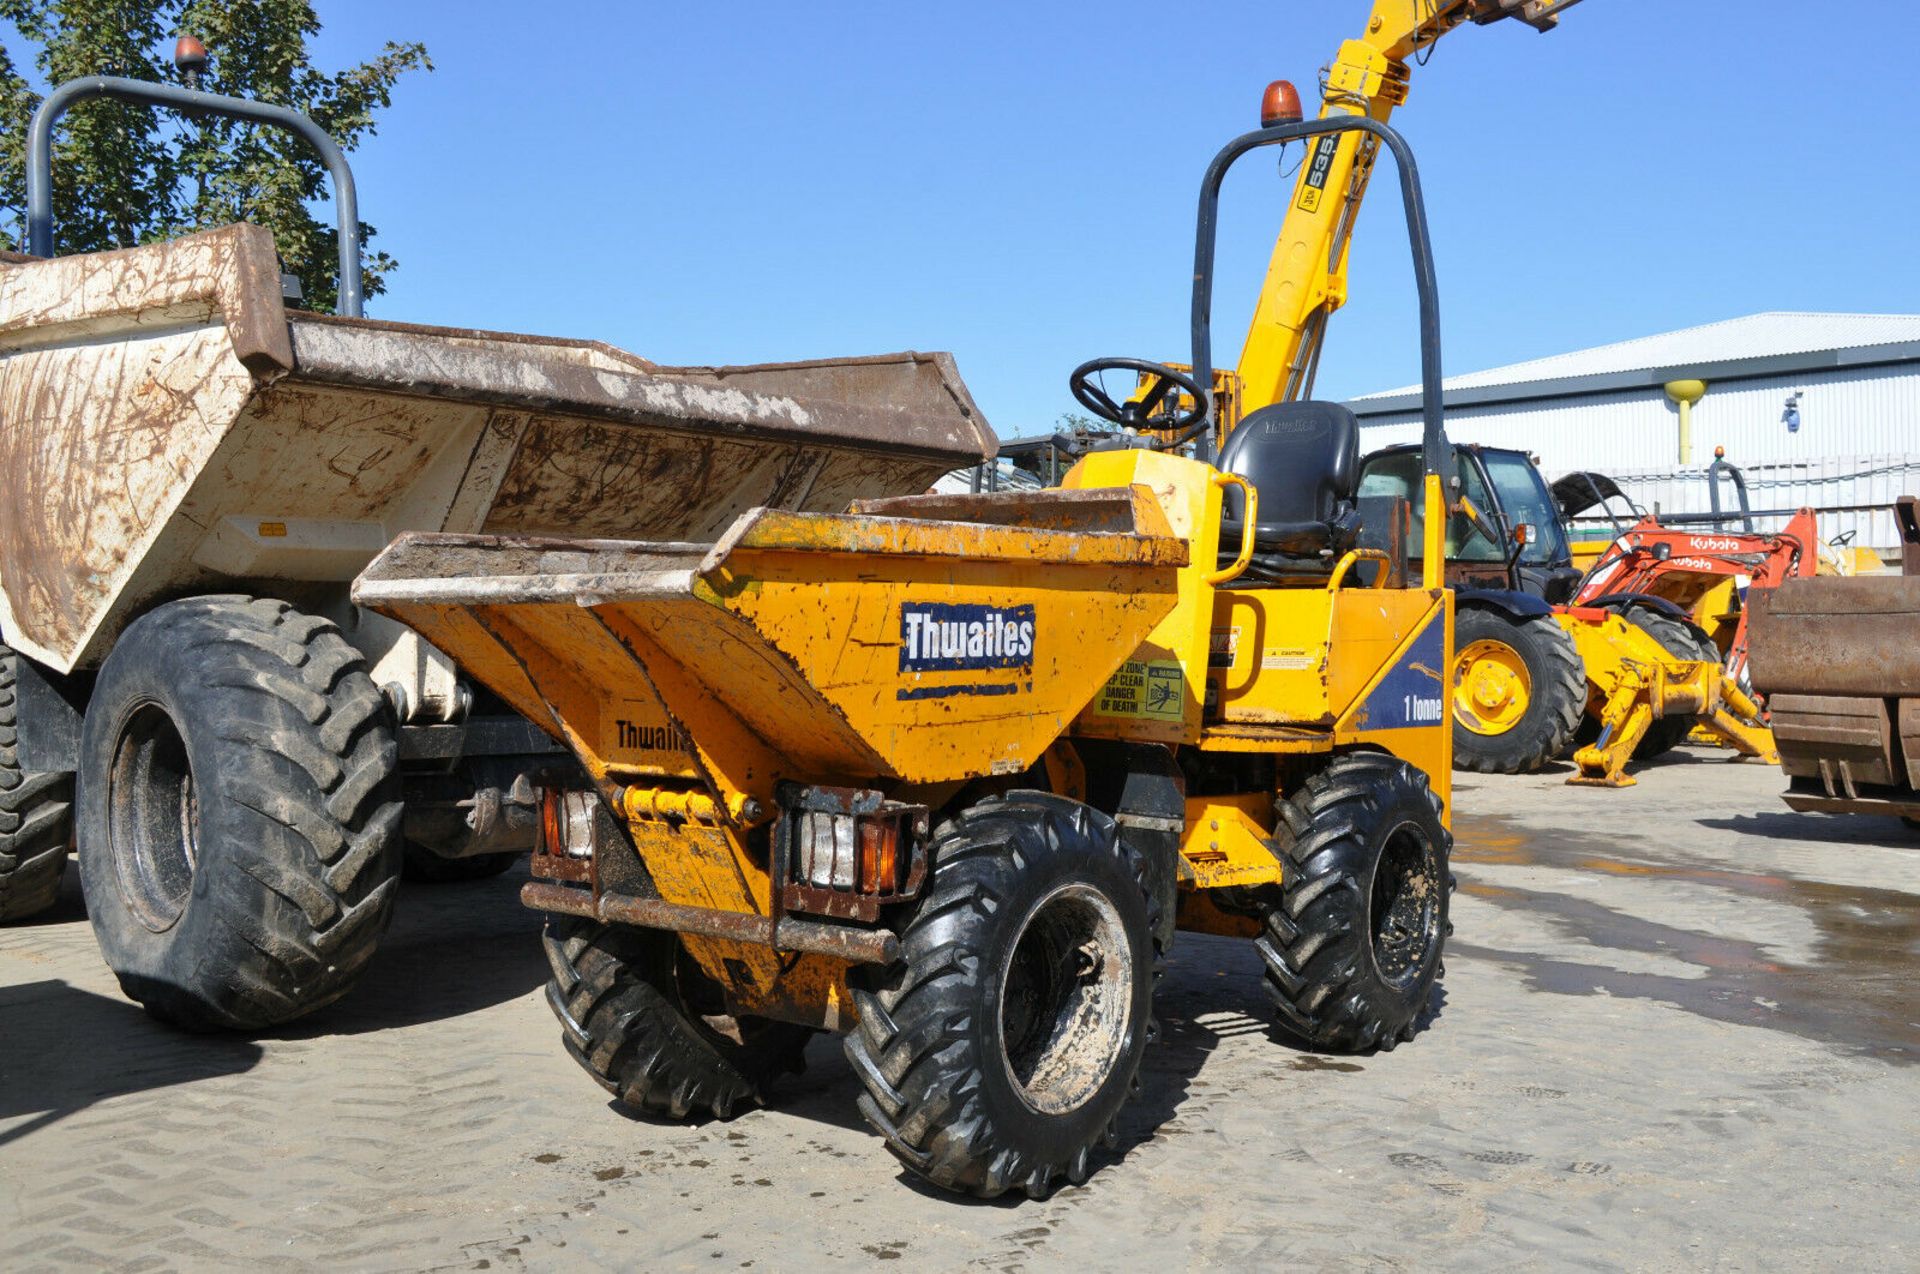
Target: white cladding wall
<point>1858,441</point>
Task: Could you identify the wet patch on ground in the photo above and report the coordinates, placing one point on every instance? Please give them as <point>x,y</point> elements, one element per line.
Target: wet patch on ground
<point>1858,993</point>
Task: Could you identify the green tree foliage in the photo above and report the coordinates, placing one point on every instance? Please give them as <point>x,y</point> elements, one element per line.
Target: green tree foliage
<point>126,174</point>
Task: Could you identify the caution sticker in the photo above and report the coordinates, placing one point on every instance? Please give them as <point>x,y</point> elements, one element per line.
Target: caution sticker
<point>1282,659</point>
<point>1152,691</point>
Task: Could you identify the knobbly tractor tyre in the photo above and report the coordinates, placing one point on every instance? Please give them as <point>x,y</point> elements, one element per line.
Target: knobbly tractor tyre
<point>1519,690</point>
<point>424,867</point>
<point>238,816</point>
<point>1353,940</point>
<point>641,1017</point>
<point>998,1050</point>
<point>36,816</point>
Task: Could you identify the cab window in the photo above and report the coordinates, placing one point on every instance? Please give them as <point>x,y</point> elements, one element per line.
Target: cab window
<point>1400,474</point>
<point>1525,498</point>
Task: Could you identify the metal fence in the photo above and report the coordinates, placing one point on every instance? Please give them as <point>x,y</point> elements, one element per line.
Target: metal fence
<point>1851,493</point>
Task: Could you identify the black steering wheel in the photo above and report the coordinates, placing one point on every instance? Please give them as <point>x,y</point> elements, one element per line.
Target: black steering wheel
<point>1135,415</point>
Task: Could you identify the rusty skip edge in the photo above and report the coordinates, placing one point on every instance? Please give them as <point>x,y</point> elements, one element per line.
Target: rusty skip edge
<point>234,271</point>
<point>898,412</point>
<point>909,403</point>
<point>783,933</point>
<point>456,568</point>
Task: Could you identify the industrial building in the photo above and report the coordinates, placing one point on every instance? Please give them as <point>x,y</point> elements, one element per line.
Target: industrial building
<point>1817,409</point>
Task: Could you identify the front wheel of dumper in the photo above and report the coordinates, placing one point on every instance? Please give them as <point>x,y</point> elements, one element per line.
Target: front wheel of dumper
<point>1353,938</point>
<point>238,816</point>
<point>998,1050</point>
<point>640,1017</point>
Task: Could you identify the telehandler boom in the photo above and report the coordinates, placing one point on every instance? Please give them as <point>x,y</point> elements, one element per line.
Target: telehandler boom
<point>1306,279</point>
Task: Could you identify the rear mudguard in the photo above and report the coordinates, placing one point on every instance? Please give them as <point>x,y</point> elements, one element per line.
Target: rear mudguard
<point>1660,604</point>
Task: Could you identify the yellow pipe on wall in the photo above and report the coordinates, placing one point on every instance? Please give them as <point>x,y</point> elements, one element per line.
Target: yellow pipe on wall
<point>1685,393</point>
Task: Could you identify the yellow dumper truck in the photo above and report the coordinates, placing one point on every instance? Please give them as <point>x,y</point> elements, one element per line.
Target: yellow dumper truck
<point>944,773</point>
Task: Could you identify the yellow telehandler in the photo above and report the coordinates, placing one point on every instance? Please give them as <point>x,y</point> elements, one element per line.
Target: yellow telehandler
<point>1529,681</point>
<point>944,773</point>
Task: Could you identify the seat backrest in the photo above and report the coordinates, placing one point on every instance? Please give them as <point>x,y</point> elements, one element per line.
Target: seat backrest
<point>1302,457</point>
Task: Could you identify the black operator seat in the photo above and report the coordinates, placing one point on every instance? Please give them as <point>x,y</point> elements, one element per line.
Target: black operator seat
<point>1303,458</point>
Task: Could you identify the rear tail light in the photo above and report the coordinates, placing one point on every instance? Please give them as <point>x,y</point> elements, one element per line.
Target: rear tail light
<point>567,822</point>
<point>848,852</point>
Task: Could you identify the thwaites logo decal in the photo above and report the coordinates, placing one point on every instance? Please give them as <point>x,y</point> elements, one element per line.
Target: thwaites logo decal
<point>961,637</point>
<point>636,737</point>
<point>1414,693</point>
<point>939,637</point>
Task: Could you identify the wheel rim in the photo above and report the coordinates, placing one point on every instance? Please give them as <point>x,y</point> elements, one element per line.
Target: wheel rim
<point>1492,689</point>
<point>1405,909</point>
<point>153,817</point>
<point>1066,1003</point>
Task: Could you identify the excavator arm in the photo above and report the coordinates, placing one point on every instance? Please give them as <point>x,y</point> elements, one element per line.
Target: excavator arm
<point>1306,278</point>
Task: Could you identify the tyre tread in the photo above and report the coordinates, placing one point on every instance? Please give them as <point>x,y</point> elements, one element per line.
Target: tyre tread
<point>1308,943</point>
<point>922,1088</point>
<point>36,816</point>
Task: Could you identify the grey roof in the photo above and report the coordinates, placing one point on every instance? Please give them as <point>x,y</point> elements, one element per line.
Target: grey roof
<point>1757,345</point>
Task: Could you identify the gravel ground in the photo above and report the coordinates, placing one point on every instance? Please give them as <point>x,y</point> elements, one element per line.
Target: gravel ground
<point>1680,1029</point>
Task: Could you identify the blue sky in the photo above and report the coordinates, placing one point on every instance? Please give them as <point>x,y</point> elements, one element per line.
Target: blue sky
<point>1015,182</point>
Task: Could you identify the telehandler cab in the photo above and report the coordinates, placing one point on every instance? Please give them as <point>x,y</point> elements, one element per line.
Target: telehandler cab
<point>945,773</point>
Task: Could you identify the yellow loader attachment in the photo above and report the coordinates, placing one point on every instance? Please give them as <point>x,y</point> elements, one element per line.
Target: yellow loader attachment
<point>1634,681</point>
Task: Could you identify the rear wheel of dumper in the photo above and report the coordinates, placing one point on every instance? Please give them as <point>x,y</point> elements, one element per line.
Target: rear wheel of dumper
<point>642,1018</point>
<point>1518,691</point>
<point>239,821</point>
<point>998,1050</point>
<point>36,817</point>
<point>1352,940</point>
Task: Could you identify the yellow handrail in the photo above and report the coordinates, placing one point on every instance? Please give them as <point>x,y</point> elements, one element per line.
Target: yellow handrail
<point>1247,527</point>
<point>1345,564</point>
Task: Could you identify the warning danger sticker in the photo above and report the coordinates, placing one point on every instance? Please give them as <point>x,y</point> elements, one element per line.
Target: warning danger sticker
<point>1154,691</point>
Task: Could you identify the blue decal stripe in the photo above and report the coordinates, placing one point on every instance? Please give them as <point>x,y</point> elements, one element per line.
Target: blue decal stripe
<point>948,692</point>
<point>1414,692</point>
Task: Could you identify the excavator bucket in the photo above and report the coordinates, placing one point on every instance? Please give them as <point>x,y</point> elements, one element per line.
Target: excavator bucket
<point>1839,663</point>
<point>172,427</point>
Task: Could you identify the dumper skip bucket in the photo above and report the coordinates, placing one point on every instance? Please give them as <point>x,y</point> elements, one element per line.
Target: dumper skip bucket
<point>168,426</point>
<point>922,640</point>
